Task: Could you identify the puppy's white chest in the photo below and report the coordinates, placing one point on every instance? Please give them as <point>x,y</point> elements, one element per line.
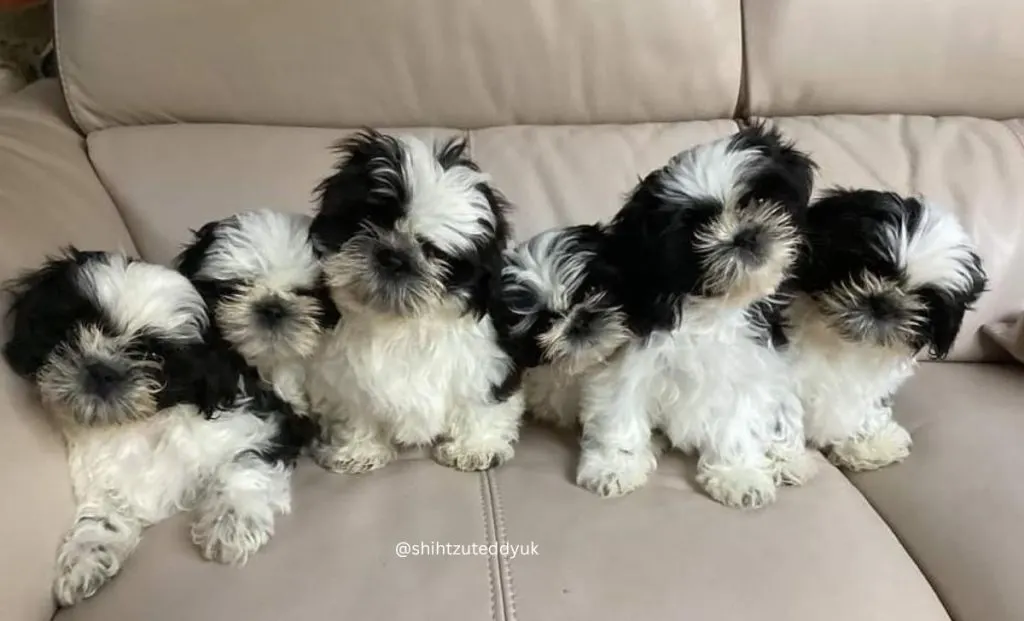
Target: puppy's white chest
<point>409,375</point>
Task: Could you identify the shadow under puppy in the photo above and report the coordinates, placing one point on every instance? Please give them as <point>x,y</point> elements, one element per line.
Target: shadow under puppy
<point>885,277</point>
<point>411,239</point>
<point>155,417</point>
<point>701,245</point>
<point>265,289</point>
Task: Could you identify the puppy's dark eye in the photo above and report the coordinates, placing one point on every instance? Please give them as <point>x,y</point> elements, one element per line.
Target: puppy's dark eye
<point>305,292</point>
<point>430,250</point>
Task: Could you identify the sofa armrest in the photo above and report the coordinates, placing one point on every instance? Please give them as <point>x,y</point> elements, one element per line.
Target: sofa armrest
<point>49,197</point>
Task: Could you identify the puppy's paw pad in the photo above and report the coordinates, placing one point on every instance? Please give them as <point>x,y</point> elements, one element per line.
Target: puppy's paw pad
<point>743,488</point>
<point>889,445</point>
<point>352,459</point>
<point>81,570</point>
<point>232,538</point>
<point>471,459</point>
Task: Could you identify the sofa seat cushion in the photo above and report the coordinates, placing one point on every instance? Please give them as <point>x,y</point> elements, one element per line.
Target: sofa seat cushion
<point>974,167</point>
<point>956,503</point>
<point>664,550</point>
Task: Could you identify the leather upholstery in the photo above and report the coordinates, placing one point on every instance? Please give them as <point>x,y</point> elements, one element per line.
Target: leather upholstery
<point>466,63</point>
<point>196,110</point>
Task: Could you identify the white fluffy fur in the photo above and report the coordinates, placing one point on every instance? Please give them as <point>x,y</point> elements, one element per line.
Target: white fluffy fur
<point>128,477</point>
<point>141,296</point>
<point>384,382</point>
<point>446,208</point>
<point>267,246</point>
<point>711,389</point>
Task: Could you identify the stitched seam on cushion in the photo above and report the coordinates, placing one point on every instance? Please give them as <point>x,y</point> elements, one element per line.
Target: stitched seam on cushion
<point>490,535</point>
<point>61,74</point>
<point>504,561</point>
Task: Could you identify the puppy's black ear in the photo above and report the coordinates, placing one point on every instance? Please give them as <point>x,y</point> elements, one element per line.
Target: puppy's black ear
<point>367,173</point>
<point>329,315</point>
<point>790,177</point>
<point>44,304</point>
<point>205,373</point>
<point>946,310</point>
<point>190,260</point>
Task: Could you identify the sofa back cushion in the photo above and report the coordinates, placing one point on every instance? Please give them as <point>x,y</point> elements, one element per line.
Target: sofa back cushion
<point>937,57</point>
<point>459,63</point>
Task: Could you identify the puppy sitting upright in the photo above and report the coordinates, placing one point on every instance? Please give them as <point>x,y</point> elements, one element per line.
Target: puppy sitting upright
<point>155,418</point>
<point>885,277</point>
<point>411,240</point>
<point>265,289</point>
<point>700,247</point>
<point>561,319</point>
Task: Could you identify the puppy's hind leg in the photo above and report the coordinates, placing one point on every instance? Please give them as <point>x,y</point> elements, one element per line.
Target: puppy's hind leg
<point>235,514</point>
<point>481,437</point>
<point>95,548</point>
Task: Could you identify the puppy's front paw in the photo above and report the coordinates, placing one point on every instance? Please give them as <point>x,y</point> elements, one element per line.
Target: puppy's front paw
<point>232,537</point>
<point>82,568</point>
<point>353,458</point>
<point>742,487</point>
<point>888,445</point>
<point>468,458</point>
<point>609,473</point>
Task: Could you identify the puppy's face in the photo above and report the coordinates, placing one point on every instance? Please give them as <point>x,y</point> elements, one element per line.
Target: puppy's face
<point>558,301</point>
<point>263,284</point>
<point>890,271</point>
<point>101,336</point>
<point>405,229</point>
<point>719,222</point>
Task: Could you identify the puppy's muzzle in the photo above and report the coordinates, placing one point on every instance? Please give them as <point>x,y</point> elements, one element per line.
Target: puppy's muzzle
<point>394,263</point>
<point>751,245</point>
<point>271,313</point>
<point>102,379</point>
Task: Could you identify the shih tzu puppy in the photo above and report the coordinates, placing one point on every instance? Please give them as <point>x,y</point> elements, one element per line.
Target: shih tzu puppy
<point>263,284</point>
<point>885,277</point>
<point>411,239</point>
<point>561,318</point>
<point>700,248</point>
<point>156,418</point>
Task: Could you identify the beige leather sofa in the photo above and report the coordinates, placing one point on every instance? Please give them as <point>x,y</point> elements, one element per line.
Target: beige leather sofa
<point>172,113</point>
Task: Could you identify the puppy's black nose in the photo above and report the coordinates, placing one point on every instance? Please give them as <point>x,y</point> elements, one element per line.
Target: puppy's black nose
<point>883,307</point>
<point>582,324</point>
<point>393,261</point>
<point>750,243</point>
<point>271,312</point>
<point>101,379</point>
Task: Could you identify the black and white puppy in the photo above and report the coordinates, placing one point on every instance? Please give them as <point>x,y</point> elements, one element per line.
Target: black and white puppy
<point>885,277</point>
<point>264,287</point>
<point>701,245</point>
<point>156,419</point>
<point>562,320</point>
<point>411,238</point>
